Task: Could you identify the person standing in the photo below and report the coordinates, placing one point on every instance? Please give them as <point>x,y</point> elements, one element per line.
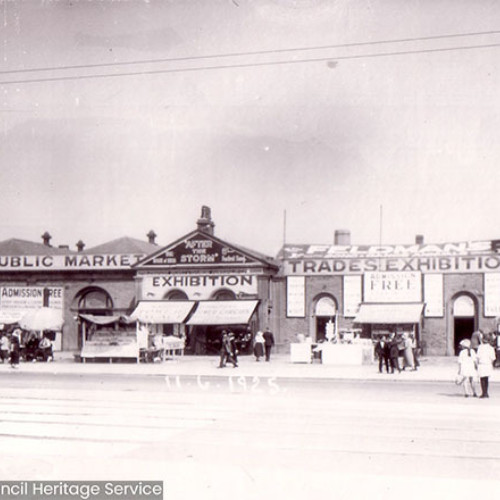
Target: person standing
<point>485,360</point>
<point>394,353</point>
<point>4,348</point>
<point>382,353</point>
<point>268,343</point>
<point>408,362</point>
<point>258,345</point>
<point>467,368</point>
<point>14,350</point>
<point>475,340</point>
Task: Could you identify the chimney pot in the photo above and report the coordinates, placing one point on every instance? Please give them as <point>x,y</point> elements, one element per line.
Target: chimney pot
<point>205,223</point>
<point>419,239</point>
<point>151,237</point>
<point>46,237</point>
<point>80,245</point>
<point>342,237</point>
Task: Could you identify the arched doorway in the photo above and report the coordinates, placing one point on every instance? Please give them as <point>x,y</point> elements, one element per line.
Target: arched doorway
<point>464,319</point>
<point>325,311</point>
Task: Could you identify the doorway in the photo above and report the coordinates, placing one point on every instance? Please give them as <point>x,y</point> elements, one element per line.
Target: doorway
<point>464,320</point>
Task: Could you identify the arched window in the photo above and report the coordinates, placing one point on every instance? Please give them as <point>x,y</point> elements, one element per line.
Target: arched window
<point>325,307</point>
<point>224,295</point>
<point>176,295</point>
<point>463,307</point>
<point>95,301</point>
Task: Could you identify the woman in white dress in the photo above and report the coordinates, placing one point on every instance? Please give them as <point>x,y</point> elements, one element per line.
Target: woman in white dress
<point>485,359</point>
<point>467,361</point>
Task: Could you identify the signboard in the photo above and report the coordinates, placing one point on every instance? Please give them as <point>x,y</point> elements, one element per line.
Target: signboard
<point>360,265</point>
<point>76,262</point>
<point>352,295</point>
<point>197,286</point>
<point>392,287</point>
<point>30,297</point>
<point>492,294</point>
<point>199,249</point>
<point>433,296</point>
<point>295,297</point>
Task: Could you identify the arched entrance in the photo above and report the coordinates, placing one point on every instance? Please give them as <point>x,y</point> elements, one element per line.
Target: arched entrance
<point>325,311</point>
<point>464,319</point>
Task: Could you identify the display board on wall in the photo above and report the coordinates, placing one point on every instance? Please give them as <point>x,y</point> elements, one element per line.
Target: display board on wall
<point>295,296</point>
<point>392,287</point>
<point>492,294</point>
<point>352,295</point>
<point>433,296</point>
<point>30,297</point>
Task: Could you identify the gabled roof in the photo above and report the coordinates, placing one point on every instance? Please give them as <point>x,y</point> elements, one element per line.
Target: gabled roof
<point>16,246</point>
<point>200,249</point>
<point>123,245</point>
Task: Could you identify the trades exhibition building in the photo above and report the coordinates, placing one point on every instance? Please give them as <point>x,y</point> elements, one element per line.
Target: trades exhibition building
<point>200,284</point>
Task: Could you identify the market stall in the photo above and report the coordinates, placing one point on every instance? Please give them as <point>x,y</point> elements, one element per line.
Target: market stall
<point>108,338</point>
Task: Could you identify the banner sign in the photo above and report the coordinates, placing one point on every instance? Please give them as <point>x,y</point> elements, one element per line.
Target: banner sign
<point>342,266</point>
<point>433,296</point>
<point>352,295</point>
<point>30,297</point>
<point>492,294</point>
<point>392,287</point>
<point>197,287</point>
<point>295,297</point>
<point>76,262</point>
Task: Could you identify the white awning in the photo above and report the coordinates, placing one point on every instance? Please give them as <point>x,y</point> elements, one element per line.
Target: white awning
<point>9,316</point>
<point>389,313</point>
<point>162,311</point>
<point>223,312</point>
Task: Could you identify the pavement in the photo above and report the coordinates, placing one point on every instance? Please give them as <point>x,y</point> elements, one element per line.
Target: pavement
<point>432,369</point>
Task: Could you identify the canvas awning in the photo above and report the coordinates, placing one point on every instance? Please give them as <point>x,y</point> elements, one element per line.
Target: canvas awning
<point>162,311</point>
<point>8,316</point>
<point>389,313</point>
<point>223,312</point>
<point>100,320</point>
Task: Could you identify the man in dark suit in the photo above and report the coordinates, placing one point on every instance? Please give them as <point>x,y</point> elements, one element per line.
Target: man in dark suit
<point>382,353</point>
<point>268,343</point>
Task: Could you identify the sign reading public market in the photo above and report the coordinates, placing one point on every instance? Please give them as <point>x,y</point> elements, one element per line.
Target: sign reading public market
<point>466,257</point>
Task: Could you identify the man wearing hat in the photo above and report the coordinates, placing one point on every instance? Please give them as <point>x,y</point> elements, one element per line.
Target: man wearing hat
<point>268,343</point>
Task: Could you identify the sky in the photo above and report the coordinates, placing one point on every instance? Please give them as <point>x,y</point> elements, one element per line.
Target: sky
<point>118,117</point>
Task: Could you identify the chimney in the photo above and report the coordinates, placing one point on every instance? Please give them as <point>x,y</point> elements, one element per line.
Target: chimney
<point>151,237</point>
<point>419,239</point>
<point>205,223</point>
<point>342,237</point>
<point>46,239</point>
<point>80,246</point>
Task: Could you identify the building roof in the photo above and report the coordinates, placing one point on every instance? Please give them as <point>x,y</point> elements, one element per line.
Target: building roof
<point>14,246</point>
<point>123,245</point>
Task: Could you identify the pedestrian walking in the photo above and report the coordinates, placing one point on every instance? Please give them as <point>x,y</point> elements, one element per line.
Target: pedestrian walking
<point>485,360</point>
<point>227,350</point>
<point>268,343</point>
<point>394,353</point>
<point>467,371</point>
<point>382,353</point>
<point>258,345</point>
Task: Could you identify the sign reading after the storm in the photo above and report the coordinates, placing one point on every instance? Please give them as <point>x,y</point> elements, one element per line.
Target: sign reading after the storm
<point>199,249</point>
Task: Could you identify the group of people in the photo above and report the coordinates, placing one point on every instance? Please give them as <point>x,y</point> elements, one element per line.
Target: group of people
<point>263,343</point>
<point>475,361</point>
<point>34,348</point>
<point>389,349</point>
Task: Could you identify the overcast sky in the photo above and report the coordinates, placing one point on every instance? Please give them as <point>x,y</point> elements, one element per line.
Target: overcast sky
<point>329,141</point>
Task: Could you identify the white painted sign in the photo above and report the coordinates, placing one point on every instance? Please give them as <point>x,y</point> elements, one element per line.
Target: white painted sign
<point>392,287</point>
<point>433,296</point>
<point>197,286</point>
<point>30,297</point>
<point>492,294</point>
<point>352,295</point>
<point>295,297</point>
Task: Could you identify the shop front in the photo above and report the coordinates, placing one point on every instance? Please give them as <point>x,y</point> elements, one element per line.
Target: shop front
<point>227,286</point>
<point>439,293</point>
